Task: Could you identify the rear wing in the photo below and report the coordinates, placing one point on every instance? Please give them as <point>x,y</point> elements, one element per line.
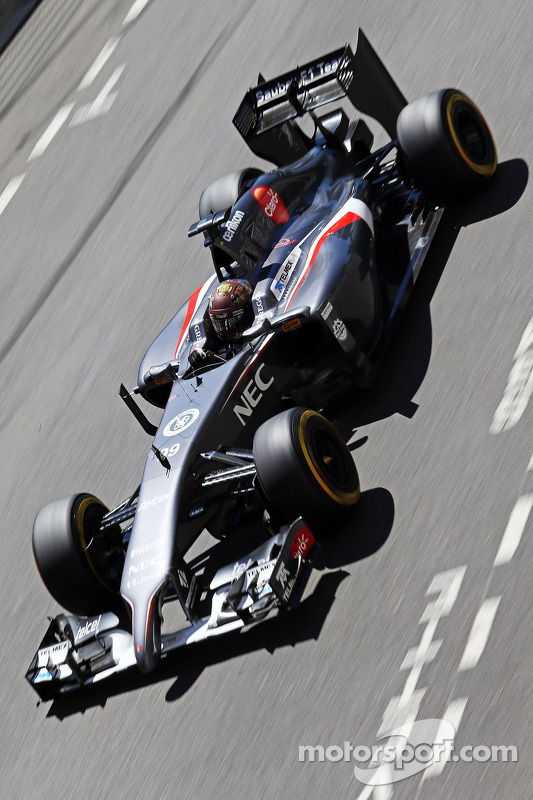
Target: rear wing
<point>265,118</point>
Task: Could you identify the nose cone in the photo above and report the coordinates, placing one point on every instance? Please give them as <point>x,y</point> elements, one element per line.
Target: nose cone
<point>147,637</point>
<point>149,559</point>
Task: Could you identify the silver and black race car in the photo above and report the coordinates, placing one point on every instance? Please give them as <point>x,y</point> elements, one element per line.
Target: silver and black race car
<point>330,242</point>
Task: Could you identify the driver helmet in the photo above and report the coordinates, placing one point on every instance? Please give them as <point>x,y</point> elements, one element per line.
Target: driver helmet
<point>230,308</point>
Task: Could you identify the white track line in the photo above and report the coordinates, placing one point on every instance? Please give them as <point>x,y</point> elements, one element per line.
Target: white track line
<point>101,104</point>
<point>423,654</point>
<point>9,191</point>
<point>480,633</point>
<point>54,127</point>
<point>453,716</point>
<point>100,60</point>
<point>514,530</point>
<point>135,10</point>
<point>530,465</point>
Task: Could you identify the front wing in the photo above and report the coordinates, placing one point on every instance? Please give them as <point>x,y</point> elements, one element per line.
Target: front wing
<point>78,651</point>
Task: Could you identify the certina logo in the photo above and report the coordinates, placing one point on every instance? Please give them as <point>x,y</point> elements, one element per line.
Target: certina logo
<point>271,203</point>
<point>339,329</point>
<point>180,423</point>
<point>232,226</point>
<point>252,395</point>
<point>153,502</point>
<point>89,629</point>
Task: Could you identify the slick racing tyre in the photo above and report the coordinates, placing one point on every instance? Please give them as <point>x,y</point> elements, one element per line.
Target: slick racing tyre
<point>80,569</point>
<point>304,468</point>
<point>446,146</point>
<point>224,192</point>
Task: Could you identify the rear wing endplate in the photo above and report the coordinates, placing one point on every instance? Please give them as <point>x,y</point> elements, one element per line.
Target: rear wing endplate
<point>265,118</point>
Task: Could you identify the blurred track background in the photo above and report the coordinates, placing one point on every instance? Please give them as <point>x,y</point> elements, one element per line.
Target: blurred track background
<point>95,259</point>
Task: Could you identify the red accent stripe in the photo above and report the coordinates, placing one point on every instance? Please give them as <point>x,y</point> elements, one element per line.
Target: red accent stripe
<point>148,620</point>
<point>188,316</point>
<point>347,219</point>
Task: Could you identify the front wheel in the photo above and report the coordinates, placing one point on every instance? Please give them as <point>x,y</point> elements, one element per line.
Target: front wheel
<point>304,468</point>
<point>80,568</point>
<point>446,146</point>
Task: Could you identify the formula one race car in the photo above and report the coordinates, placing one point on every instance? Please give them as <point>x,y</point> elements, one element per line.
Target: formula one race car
<point>314,262</point>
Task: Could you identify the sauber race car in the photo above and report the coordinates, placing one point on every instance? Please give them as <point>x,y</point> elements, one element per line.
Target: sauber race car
<point>314,262</point>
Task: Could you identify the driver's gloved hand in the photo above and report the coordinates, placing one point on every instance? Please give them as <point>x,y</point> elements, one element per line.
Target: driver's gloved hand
<point>203,358</point>
<point>198,358</point>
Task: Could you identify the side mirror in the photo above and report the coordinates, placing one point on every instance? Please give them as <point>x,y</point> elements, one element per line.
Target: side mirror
<point>163,373</point>
<point>291,320</point>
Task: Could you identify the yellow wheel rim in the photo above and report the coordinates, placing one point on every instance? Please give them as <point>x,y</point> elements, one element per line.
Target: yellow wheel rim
<point>84,505</point>
<point>482,169</point>
<point>342,498</point>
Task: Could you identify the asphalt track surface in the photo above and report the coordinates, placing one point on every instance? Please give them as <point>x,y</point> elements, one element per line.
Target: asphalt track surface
<point>95,260</point>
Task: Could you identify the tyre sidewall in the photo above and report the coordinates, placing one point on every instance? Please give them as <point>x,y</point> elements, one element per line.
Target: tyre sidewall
<point>224,192</point>
<point>430,146</point>
<point>60,539</point>
<point>290,477</point>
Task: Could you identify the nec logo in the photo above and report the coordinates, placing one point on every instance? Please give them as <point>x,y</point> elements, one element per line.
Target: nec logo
<point>146,563</point>
<point>252,395</point>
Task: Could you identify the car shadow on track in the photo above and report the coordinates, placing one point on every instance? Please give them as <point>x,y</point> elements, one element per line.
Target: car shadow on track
<point>361,536</point>
<point>187,665</point>
<point>407,358</point>
<point>364,535</point>
<point>506,190</point>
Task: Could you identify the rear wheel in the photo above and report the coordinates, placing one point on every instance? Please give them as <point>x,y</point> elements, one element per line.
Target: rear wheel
<point>446,146</point>
<point>80,568</point>
<point>224,192</point>
<point>304,468</point>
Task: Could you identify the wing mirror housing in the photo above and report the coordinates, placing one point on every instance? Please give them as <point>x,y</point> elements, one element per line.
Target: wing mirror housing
<point>289,321</point>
